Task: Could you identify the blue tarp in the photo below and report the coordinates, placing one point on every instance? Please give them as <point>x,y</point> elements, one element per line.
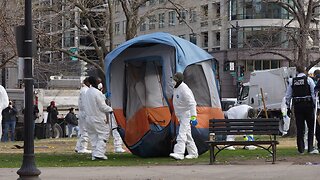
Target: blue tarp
<point>186,53</point>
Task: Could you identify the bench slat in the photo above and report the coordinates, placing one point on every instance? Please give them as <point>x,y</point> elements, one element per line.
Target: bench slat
<point>248,132</point>
<point>273,123</point>
<point>244,120</point>
<point>241,142</point>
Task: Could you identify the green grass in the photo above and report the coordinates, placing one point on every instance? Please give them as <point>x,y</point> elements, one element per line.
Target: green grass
<point>14,160</point>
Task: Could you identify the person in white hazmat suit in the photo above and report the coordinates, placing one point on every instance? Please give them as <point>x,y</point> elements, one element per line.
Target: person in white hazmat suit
<point>240,112</point>
<point>82,143</point>
<point>184,105</point>
<point>96,110</point>
<point>117,141</point>
<point>285,124</point>
<point>4,101</point>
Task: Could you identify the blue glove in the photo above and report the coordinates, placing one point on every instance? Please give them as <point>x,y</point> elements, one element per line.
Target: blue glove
<point>193,121</point>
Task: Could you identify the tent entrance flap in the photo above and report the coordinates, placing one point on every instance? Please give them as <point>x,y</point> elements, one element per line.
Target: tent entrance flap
<point>144,92</point>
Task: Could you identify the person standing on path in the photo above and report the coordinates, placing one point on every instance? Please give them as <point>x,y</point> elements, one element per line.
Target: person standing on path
<point>72,122</point>
<point>301,91</point>
<point>52,116</point>
<point>9,115</point>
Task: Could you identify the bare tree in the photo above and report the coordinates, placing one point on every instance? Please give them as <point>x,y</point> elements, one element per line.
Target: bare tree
<point>305,16</point>
<point>95,21</point>
<point>70,23</point>
<point>10,16</point>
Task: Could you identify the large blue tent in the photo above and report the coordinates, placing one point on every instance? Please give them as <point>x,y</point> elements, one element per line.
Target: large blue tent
<point>139,86</point>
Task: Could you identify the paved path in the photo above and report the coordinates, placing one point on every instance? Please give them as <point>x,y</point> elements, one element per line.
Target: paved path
<point>231,172</point>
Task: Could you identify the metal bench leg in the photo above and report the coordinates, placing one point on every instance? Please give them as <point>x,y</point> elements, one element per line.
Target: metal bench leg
<point>273,153</point>
<point>211,154</point>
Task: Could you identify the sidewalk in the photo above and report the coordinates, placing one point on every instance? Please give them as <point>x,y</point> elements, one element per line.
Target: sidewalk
<point>276,171</point>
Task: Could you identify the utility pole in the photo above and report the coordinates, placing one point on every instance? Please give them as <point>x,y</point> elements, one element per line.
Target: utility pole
<point>28,169</point>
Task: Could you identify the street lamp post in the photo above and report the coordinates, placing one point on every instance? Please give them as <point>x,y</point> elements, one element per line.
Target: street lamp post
<point>28,169</point>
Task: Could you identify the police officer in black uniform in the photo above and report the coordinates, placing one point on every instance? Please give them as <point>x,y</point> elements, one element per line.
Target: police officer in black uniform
<point>301,91</point>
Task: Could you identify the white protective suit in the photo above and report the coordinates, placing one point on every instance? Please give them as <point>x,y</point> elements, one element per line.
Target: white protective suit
<point>238,112</point>
<point>82,143</point>
<point>96,110</point>
<point>184,106</point>
<point>285,124</point>
<point>4,102</point>
<point>117,141</point>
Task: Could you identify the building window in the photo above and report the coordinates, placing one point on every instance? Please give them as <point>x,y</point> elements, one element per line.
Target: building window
<point>69,39</point>
<point>117,6</point>
<point>204,12</point>
<point>249,37</point>
<point>152,22</point>
<point>193,16</point>
<point>143,25</point>
<point>85,41</point>
<point>251,9</point>
<point>216,10</point>
<point>161,20</point>
<point>204,39</point>
<point>182,16</point>
<point>172,18</point>
<point>252,65</point>
<point>45,58</point>
<point>124,26</point>
<point>275,64</point>
<point>216,40</point>
<point>117,28</point>
<point>193,38</point>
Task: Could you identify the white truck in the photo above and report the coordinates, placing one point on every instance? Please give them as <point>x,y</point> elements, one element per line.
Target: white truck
<point>273,83</point>
<point>64,98</point>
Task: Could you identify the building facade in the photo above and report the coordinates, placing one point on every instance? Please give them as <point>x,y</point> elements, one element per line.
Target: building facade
<point>236,31</point>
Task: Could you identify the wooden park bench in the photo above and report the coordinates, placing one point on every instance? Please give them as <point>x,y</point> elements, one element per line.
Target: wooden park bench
<point>268,127</point>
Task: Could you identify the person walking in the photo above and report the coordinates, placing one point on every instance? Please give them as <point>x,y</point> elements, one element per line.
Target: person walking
<point>72,122</point>
<point>82,143</point>
<point>4,101</point>
<point>301,91</point>
<point>9,118</point>
<point>52,116</point>
<point>96,110</point>
<point>184,105</point>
